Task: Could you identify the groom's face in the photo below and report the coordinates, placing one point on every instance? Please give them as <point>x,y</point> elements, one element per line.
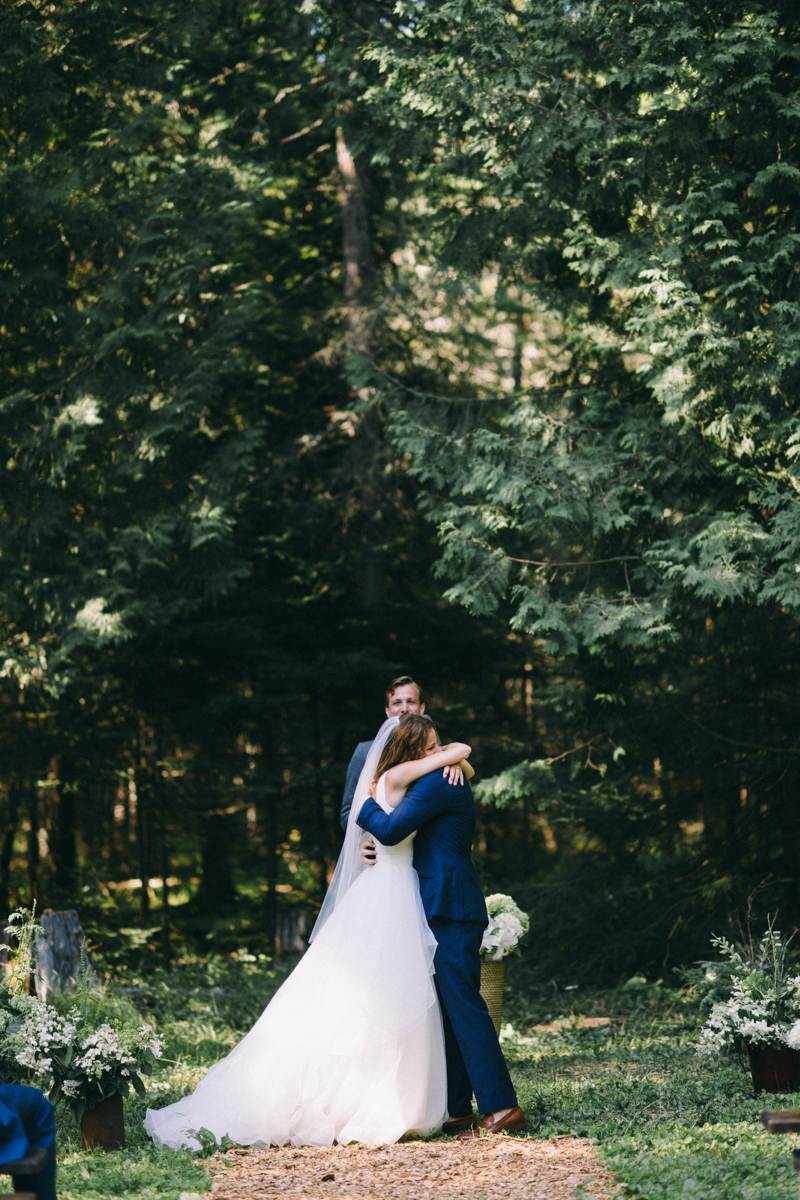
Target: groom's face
<point>404,699</point>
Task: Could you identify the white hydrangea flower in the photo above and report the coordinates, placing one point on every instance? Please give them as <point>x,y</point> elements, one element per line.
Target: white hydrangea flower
<point>754,1031</point>
<point>45,1034</point>
<point>499,903</point>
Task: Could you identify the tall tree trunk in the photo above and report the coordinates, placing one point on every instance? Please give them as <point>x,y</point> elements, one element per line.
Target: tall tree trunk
<point>142,840</point>
<point>217,892</point>
<point>319,799</point>
<point>32,806</point>
<point>357,250</point>
<point>64,849</point>
<point>272,867</point>
<point>161,803</point>
<point>7,849</point>
<point>141,784</point>
<point>367,458</point>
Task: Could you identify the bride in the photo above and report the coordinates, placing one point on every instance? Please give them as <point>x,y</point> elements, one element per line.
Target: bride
<point>350,1048</point>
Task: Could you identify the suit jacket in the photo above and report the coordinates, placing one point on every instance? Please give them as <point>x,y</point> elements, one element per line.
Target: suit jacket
<point>353,771</point>
<point>35,1113</point>
<point>444,817</point>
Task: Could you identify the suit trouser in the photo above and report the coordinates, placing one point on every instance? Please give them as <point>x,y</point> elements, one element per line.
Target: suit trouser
<point>475,1061</point>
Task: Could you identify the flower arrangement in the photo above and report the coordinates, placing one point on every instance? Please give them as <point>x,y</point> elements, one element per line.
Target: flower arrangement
<point>507,925</point>
<point>71,1056</point>
<point>83,1055</point>
<point>764,1003</point>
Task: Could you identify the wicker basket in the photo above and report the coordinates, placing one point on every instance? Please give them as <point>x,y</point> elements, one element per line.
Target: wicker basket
<point>493,976</point>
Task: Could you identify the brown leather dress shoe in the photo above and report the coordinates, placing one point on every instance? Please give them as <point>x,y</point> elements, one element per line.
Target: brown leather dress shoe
<point>456,1124</point>
<point>508,1120</point>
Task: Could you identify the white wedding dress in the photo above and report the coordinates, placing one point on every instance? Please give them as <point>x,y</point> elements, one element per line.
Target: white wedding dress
<point>350,1049</point>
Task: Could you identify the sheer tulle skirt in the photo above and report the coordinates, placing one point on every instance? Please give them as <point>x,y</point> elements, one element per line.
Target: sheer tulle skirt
<point>350,1048</point>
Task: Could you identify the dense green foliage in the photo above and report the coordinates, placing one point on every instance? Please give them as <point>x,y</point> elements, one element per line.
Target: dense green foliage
<point>634,167</point>
<point>312,310</point>
<point>211,565</point>
<point>630,504</point>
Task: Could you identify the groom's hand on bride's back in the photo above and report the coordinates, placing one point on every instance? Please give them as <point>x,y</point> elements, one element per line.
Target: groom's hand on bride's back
<point>367,852</point>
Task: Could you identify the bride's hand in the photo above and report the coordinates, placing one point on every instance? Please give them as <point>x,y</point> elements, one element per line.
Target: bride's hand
<point>372,789</point>
<point>454,775</point>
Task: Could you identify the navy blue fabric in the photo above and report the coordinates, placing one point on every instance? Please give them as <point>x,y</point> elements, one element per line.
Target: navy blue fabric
<point>353,771</point>
<point>475,1061</point>
<point>443,816</point>
<point>13,1139</point>
<point>36,1113</point>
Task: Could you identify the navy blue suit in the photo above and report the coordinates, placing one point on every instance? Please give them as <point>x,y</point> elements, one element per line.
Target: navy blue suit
<point>444,817</point>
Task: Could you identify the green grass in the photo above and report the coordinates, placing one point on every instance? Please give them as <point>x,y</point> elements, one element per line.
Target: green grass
<point>138,1171</point>
<point>668,1123</point>
<point>202,1008</point>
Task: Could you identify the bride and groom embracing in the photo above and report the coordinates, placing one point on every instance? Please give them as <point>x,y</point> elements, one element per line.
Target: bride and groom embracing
<point>380,1030</point>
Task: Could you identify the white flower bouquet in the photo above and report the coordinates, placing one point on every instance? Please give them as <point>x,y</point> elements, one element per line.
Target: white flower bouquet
<point>764,1004</point>
<point>69,1055</point>
<point>507,925</point>
<point>93,1050</point>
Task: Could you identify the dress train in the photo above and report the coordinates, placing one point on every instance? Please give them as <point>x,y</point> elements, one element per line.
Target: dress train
<point>350,1048</point>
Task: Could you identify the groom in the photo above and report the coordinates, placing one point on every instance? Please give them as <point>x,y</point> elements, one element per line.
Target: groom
<point>403,695</point>
<point>444,817</point>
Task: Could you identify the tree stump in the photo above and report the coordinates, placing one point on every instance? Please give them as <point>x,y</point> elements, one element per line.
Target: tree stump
<point>292,936</point>
<point>58,952</point>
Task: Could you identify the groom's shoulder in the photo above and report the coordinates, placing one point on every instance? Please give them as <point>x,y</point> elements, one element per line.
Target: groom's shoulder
<point>435,784</point>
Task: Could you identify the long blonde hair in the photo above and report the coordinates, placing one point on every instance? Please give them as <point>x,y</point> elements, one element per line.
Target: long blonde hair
<point>407,742</point>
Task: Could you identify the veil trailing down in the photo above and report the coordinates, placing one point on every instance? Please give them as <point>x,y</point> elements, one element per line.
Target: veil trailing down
<point>350,1048</point>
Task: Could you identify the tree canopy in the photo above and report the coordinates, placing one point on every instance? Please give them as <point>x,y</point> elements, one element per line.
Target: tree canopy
<point>633,169</point>
<point>349,339</point>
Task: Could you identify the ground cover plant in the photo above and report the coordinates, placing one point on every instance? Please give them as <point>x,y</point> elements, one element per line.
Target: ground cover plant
<point>619,1066</point>
<point>668,1121</point>
<point>201,1008</point>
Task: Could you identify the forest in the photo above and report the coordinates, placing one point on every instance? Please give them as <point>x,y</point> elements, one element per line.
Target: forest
<point>347,339</point>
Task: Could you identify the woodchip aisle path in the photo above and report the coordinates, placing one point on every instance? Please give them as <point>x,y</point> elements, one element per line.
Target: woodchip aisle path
<point>500,1168</point>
